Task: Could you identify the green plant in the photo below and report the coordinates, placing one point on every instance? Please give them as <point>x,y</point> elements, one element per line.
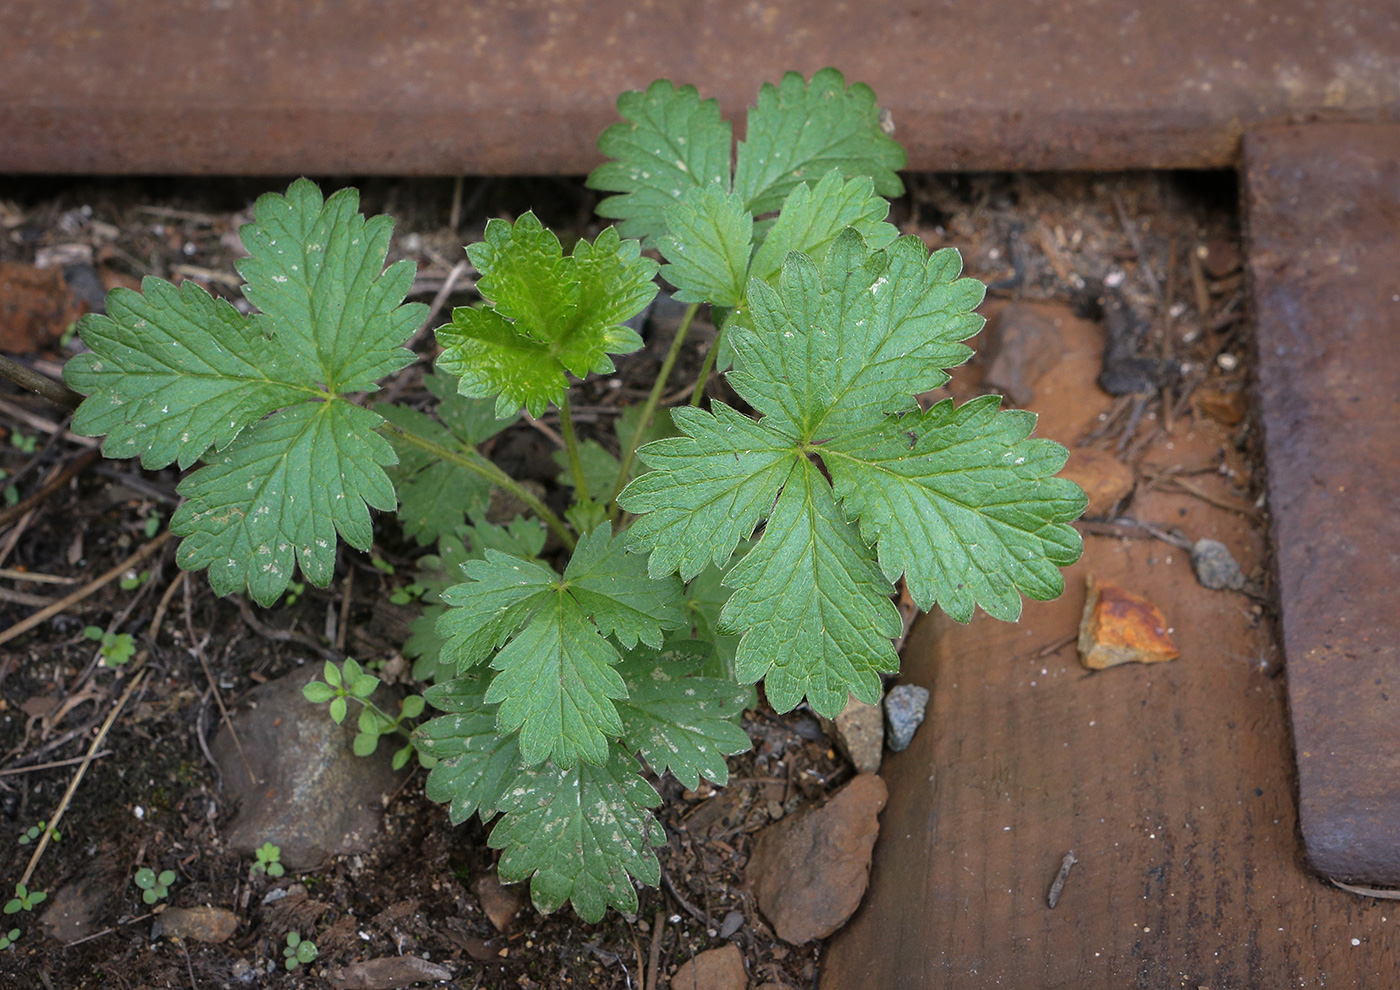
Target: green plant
<point>154,887</point>
<point>23,442</point>
<point>9,938</point>
<point>269,861</point>
<point>116,648</point>
<point>34,831</point>
<point>350,682</point>
<point>298,951</point>
<point>24,899</point>
<point>716,548</point>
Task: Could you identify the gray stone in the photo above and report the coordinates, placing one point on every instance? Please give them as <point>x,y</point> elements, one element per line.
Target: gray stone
<point>388,973</point>
<point>313,796</point>
<point>1215,566</point>
<point>860,729</point>
<point>904,706</point>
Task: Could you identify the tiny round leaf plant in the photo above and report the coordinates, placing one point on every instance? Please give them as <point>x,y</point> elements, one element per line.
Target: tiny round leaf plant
<point>299,951</point>
<point>269,861</point>
<point>154,887</point>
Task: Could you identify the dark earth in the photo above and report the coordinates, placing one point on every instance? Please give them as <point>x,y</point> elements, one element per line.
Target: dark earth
<point>1159,252</point>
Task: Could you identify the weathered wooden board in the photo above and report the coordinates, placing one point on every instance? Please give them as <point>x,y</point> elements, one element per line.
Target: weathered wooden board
<point>1173,784</point>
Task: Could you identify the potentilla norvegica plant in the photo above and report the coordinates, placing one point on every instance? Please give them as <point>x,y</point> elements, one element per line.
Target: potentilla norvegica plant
<point>718,547</point>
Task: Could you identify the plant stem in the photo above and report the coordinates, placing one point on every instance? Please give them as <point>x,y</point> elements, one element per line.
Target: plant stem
<point>566,427</point>
<point>649,410</point>
<point>477,464</point>
<point>706,368</point>
<point>55,392</point>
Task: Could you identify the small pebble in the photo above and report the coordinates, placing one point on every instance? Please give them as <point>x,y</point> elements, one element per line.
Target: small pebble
<point>1216,568</point>
<point>904,706</point>
<point>733,921</point>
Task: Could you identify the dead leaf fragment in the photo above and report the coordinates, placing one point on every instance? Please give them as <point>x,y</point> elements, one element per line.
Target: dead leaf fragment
<point>1121,627</point>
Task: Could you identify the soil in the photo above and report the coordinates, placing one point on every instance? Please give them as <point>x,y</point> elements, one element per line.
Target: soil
<point>153,799</point>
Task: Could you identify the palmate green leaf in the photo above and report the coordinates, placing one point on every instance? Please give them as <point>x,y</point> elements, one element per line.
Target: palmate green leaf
<point>278,496</point>
<point>814,215</point>
<point>436,495</point>
<point>580,834</point>
<point>838,345</point>
<point>680,721</point>
<point>174,373</point>
<point>962,504</point>
<point>837,351</point>
<point>708,489</point>
<point>550,314</point>
<point>556,682</point>
<point>708,246</point>
<point>671,141</point>
<point>476,764</point>
<point>439,571</point>
<point>800,131</point>
<point>813,607</point>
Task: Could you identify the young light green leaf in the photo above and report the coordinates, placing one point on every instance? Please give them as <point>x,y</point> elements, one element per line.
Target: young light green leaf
<point>551,314</point>
<point>279,495</point>
<point>963,504</point>
<point>708,246</point>
<point>812,605</point>
<point>672,141</point>
<point>476,763</point>
<point>799,131</point>
<point>677,720</point>
<point>580,834</point>
<point>556,683</point>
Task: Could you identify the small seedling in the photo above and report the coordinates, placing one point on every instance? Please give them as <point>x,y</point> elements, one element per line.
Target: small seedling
<point>299,951</point>
<point>269,861</point>
<point>25,444</point>
<point>351,682</point>
<point>34,831</point>
<point>9,938</point>
<point>131,580</point>
<point>116,649</point>
<point>24,899</point>
<point>295,589</point>
<point>154,888</point>
<point>152,526</point>
<point>407,594</point>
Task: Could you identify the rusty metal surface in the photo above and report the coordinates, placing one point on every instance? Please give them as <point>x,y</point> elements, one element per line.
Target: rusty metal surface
<point>1324,225</point>
<point>525,86</point>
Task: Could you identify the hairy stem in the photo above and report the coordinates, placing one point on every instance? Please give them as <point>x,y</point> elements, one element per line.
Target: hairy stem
<point>56,392</point>
<point>566,427</point>
<point>477,464</point>
<point>706,368</point>
<point>649,410</point>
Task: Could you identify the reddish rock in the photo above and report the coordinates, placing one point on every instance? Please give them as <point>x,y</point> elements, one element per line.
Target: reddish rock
<point>1121,627</point>
<point>1020,345</point>
<point>1104,478</point>
<point>714,969</point>
<point>199,924</point>
<point>809,871</point>
<point>1227,408</point>
<point>35,307</point>
<point>501,902</point>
